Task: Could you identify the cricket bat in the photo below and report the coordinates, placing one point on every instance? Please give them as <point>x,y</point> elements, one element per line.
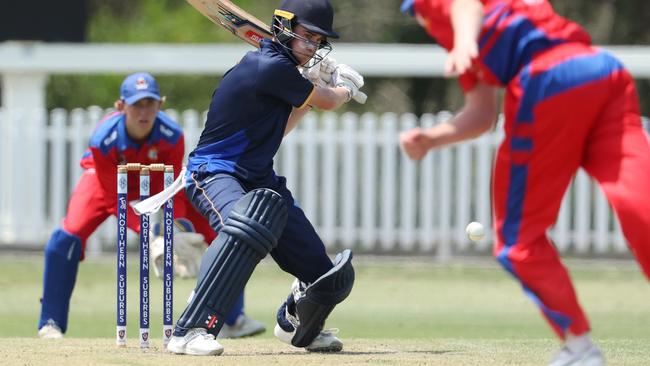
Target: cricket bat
<point>242,24</point>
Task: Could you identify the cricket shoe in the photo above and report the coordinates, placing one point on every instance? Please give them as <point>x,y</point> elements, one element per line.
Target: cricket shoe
<point>50,331</point>
<point>589,357</point>
<point>243,327</point>
<point>196,342</point>
<point>325,341</point>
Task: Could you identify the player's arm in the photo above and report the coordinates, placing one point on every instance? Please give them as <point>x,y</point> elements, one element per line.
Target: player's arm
<point>466,20</point>
<point>295,116</point>
<point>342,84</point>
<point>322,97</point>
<point>325,98</point>
<point>476,117</point>
<point>329,98</point>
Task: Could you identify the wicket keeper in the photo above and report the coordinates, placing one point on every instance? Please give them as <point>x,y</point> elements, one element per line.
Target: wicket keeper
<point>137,132</point>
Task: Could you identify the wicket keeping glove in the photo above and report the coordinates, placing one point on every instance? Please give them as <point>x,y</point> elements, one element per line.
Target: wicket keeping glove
<point>189,247</point>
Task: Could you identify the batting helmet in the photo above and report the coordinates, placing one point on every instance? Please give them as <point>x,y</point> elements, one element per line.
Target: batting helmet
<point>315,15</point>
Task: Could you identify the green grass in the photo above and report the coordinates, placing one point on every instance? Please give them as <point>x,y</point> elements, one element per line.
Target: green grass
<point>400,312</point>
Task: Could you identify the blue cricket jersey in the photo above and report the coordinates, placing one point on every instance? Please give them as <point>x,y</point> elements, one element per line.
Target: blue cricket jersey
<point>248,115</point>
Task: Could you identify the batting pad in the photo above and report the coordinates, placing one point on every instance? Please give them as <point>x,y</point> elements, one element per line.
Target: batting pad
<point>251,231</point>
<point>321,297</point>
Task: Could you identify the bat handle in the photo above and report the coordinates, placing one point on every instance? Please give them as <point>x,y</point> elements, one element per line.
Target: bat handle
<point>360,97</point>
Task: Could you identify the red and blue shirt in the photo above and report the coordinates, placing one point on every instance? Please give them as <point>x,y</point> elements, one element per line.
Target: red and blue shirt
<point>513,31</point>
<point>110,146</point>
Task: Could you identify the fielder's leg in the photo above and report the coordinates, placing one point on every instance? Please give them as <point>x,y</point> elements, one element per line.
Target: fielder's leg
<point>618,157</point>
<point>62,255</point>
<point>65,249</point>
<point>250,232</point>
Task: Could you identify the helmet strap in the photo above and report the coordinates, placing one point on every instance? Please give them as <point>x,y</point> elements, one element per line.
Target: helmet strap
<point>282,26</point>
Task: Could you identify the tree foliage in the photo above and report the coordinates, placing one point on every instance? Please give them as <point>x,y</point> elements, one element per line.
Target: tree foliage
<point>173,21</point>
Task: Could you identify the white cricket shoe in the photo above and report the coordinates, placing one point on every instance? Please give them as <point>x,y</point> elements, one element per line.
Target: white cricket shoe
<point>589,357</point>
<point>50,331</point>
<point>196,342</point>
<point>243,327</point>
<point>324,342</point>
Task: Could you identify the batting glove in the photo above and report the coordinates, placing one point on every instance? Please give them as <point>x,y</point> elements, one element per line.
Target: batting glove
<point>346,77</point>
<point>312,74</point>
<point>326,69</point>
<point>320,74</point>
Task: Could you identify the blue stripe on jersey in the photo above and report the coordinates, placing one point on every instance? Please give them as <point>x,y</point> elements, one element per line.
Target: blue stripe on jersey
<point>561,320</point>
<point>522,144</point>
<point>515,203</point>
<point>515,47</point>
<point>497,8</point>
<point>486,37</point>
<point>165,128</point>
<point>221,156</point>
<point>569,74</point>
<point>105,136</point>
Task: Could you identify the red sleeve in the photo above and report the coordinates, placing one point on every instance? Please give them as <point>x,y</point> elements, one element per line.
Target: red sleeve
<point>437,16</point>
<point>468,80</point>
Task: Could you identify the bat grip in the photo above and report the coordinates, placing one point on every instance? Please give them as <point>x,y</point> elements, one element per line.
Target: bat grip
<point>360,97</point>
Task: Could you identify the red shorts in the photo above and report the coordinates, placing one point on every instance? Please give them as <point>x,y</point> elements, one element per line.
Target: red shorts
<point>87,209</point>
<point>572,107</point>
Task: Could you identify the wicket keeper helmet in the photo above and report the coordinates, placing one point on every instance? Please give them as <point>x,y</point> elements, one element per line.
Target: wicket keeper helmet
<point>315,15</point>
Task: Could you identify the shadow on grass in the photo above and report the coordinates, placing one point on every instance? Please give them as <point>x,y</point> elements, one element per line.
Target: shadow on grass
<point>348,353</point>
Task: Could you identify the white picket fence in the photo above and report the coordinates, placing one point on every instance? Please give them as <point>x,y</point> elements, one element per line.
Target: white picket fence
<point>347,172</point>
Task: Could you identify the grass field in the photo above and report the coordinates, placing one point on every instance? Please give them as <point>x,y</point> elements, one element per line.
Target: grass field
<point>401,312</point>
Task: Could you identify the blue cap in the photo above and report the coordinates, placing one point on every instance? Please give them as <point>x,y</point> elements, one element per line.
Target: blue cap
<point>139,86</point>
<point>408,6</point>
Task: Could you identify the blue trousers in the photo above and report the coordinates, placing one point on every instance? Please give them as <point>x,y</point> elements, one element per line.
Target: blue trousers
<point>300,251</point>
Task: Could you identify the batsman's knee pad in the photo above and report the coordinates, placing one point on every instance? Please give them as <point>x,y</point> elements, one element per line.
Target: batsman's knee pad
<point>315,302</point>
<point>250,232</point>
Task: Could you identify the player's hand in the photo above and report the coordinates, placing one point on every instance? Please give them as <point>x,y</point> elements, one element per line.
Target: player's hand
<point>319,72</point>
<point>326,68</point>
<point>415,143</point>
<point>313,74</point>
<point>346,77</point>
<point>461,57</point>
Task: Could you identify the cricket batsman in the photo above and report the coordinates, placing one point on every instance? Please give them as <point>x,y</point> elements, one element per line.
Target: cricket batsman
<point>232,182</point>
